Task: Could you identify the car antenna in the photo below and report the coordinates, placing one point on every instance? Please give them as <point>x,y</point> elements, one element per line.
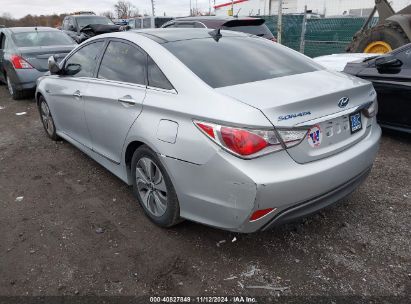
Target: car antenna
<point>216,34</point>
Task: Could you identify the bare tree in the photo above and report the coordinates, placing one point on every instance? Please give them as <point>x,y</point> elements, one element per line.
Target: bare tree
<point>108,14</point>
<point>125,9</point>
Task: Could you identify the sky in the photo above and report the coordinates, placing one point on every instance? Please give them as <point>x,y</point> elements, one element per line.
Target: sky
<point>20,8</point>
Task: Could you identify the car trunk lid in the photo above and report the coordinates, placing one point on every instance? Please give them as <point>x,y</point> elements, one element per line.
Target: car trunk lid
<point>311,101</point>
<point>38,56</point>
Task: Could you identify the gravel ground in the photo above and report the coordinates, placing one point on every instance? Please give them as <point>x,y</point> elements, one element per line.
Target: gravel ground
<point>69,227</point>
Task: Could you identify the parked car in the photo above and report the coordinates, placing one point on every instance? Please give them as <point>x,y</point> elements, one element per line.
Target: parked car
<point>337,62</point>
<point>82,26</point>
<point>148,22</point>
<point>391,77</point>
<point>251,136</point>
<point>393,84</point>
<point>255,26</point>
<point>23,55</point>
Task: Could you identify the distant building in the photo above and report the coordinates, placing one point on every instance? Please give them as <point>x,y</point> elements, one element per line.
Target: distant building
<point>323,7</point>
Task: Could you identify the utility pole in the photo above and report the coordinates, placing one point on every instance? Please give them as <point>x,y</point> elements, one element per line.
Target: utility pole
<point>303,30</point>
<point>152,8</point>
<point>280,21</point>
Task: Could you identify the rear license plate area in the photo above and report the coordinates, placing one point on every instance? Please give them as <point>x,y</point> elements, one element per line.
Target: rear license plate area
<point>355,122</point>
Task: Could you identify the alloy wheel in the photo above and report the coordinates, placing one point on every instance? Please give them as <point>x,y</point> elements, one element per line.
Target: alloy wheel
<point>151,186</point>
<point>46,118</point>
<point>10,86</point>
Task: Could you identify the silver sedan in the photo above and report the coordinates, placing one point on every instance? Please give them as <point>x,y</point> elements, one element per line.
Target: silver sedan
<point>222,128</point>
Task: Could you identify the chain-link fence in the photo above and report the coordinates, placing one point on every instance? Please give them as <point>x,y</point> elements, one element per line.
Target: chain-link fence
<point>322,36</point>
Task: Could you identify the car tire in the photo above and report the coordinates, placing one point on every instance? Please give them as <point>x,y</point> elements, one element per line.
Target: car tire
<point>15,94</point>
<point>47,119</point>
<point>153,188</point>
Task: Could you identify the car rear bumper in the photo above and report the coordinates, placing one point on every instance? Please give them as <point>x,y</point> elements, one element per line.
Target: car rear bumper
<point>314,205</point>
<point>25,79</point>
<point>226,190</point>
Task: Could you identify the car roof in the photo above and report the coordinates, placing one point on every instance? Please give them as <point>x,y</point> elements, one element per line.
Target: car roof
<point>31,29</point>
<point>87,16</point>
<point>164,35</point>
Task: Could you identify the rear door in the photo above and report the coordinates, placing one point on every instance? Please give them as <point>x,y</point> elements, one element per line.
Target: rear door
<point>114,100</point>
<point>67,92</point>
<point>393,87</point>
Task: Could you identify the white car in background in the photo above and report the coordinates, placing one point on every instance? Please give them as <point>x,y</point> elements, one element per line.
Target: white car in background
<point>337,62</point>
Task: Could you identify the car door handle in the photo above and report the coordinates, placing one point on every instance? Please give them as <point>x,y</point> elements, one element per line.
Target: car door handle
<point>77,94</point>
<point>127,99</point>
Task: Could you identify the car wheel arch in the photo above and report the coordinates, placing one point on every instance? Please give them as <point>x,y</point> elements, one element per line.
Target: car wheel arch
<point>37,98</point>
<point>131,147</point>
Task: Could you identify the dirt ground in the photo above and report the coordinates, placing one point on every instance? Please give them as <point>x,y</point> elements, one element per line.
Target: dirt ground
<point>77,230</point>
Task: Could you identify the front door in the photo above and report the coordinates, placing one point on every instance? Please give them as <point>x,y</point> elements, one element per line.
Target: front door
<point>68,92</point>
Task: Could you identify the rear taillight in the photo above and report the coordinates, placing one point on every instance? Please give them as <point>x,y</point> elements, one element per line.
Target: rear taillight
<point>19,63</point>
<point>371,110</point>
<point>250,143</point>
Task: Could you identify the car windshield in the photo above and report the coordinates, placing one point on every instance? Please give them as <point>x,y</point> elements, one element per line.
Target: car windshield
<point>258,30</point>
<point>83,21</point>
<point>237,60</point>
<point>41,38</point>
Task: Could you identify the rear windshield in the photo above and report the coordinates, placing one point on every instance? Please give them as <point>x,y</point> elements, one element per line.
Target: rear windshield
<point>237,60</point>
<point>83,21</point>
<point>258,30</point>
<point>41,38</point>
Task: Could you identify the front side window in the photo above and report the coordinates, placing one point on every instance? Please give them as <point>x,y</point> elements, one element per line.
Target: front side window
<point>236,60</point>
<point>156,78</point>
<point>123,62</point>
<point>83,62</point>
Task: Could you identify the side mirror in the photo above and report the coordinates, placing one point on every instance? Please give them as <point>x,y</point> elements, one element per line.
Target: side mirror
<point>71,28</point>
<point>72,69</point>
<point>54,67</point>
<point>387,62</point>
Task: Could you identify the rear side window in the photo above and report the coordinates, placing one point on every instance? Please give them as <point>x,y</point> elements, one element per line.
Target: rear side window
<point>85,58</point>
<point>156,78</point>
<point>237,60</point>
<point>123,62</point>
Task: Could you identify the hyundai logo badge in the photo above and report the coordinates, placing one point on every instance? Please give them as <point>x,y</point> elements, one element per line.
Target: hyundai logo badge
<point>343,102</point>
